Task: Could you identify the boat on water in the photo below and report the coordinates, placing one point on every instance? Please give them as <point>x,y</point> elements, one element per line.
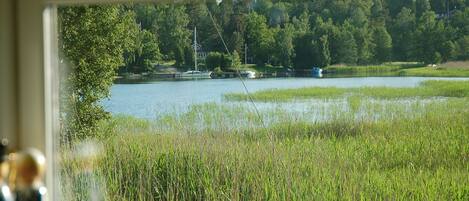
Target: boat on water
<point>317,72</point>
<point>248,74</point>
<point>196,74</point>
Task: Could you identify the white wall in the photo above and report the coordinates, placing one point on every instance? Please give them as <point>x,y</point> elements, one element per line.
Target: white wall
<point>8,113</point>
<point>21,73</point>
<point>31,74</point>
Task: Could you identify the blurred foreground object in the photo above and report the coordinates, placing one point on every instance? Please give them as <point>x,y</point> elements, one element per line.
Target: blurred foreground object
<point>5,194</point>
<point>87,184</point>
<point>30,165</point>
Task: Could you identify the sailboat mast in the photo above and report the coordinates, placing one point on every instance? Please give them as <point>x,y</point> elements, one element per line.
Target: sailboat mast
<point>195,47</point>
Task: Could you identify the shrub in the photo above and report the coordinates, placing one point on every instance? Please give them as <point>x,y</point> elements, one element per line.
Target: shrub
<point>213,60</point>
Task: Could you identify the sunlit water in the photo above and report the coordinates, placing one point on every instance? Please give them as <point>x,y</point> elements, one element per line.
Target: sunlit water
<point>152,100</point>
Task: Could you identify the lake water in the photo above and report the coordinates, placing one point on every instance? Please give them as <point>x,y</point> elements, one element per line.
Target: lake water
<point>153,99</point>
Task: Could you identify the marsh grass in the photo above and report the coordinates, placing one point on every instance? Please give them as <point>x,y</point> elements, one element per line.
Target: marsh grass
<point>442,71</point>
<point>427,89</point>
<point>363,69</point>
<point>365,149</point>
<point>274,95</point>
<point>419,158</point>
<point>450,69</point>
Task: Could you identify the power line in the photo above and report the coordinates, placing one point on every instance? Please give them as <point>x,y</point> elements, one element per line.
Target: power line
<point>237,70</point>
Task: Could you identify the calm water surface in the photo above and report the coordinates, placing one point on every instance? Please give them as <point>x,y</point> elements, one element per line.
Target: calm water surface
<point>153,99</point>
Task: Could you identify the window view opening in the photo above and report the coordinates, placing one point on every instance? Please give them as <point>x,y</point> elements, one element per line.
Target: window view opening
<point>264,100</point>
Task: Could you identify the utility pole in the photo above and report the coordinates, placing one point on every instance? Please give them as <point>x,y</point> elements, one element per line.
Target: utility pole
<point>195,48</point>
<point>447,10</point>
<point>245,54</point>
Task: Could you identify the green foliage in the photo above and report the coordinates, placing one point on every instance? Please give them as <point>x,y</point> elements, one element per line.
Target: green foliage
<point>347,52</point>
<point>358,18</point>
<point>263,7</point>
<point>358,32</point>
<point>174,33</point>
<point>235,61</point>
<point>227,61</point>
<point>258,37</point>
<point>436,58</point>
<point>189,59</point>
<point>422,6</point>
<point>301,24</point>
<point>283,47</point>
<point>237,42</point>
<point>224,61</point>
<point>431,34</point>
<point>146,16</point>
<point>365,45</point>
<point>459,21</point>
<point>304,51</point>
<point>315,53</point>
<point>449,51</point>
<point>278,15</point>
<point>213,60</point>
<point>145,53</point>
<point>404,45</point>
<point>377,11</point>
<point>94,39</point>
<point>324,56</point>
<point>463,48</point>
<point>218,71</point>
<point>383,42</point>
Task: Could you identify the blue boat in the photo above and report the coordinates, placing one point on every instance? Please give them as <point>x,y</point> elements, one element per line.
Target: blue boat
<point>317,72</point>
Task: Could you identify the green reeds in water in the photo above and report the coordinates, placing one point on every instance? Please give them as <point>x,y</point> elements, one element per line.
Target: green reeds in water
<point>373,149</point>
<point>431,88</point>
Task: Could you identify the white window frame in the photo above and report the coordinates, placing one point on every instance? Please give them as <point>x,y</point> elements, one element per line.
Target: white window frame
<point>35,86</point>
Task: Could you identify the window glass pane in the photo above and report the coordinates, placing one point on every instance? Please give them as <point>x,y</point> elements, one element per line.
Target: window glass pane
<point>254,100</point>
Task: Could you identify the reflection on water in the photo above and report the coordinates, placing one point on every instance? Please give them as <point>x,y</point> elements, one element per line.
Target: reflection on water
<point>240,117</point>
<point>155,99</point>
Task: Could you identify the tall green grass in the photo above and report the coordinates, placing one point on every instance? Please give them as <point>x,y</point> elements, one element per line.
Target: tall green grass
<point>362,69</point>
<point>435,72</point>
<point>430,88</point>
<point>364,149</point>
<point>456,69</point>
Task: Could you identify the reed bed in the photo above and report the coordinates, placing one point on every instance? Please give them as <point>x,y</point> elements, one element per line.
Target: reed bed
<point>366,149</point>
<point>450,69</point>
<point>427,89</point>
<point>363,69</point>
<point>440,71</point>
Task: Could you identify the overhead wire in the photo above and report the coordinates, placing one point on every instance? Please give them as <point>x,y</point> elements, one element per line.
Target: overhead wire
<point>246,90</point>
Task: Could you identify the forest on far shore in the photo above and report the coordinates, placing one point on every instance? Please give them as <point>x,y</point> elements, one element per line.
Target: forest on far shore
<point>292,33</point>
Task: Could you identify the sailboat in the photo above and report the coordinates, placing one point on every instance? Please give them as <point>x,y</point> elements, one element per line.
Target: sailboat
<point>196,73</point>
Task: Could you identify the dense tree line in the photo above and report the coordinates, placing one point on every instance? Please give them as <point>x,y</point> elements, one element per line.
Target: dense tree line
<point>302,34</point>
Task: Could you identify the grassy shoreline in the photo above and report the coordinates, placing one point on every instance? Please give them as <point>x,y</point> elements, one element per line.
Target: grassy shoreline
<point>450,69</point>
<point>435,72</point>
<point>431,88</point>
<point>371,150</point>
<point>362,69</point>
<point>423,158</point>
